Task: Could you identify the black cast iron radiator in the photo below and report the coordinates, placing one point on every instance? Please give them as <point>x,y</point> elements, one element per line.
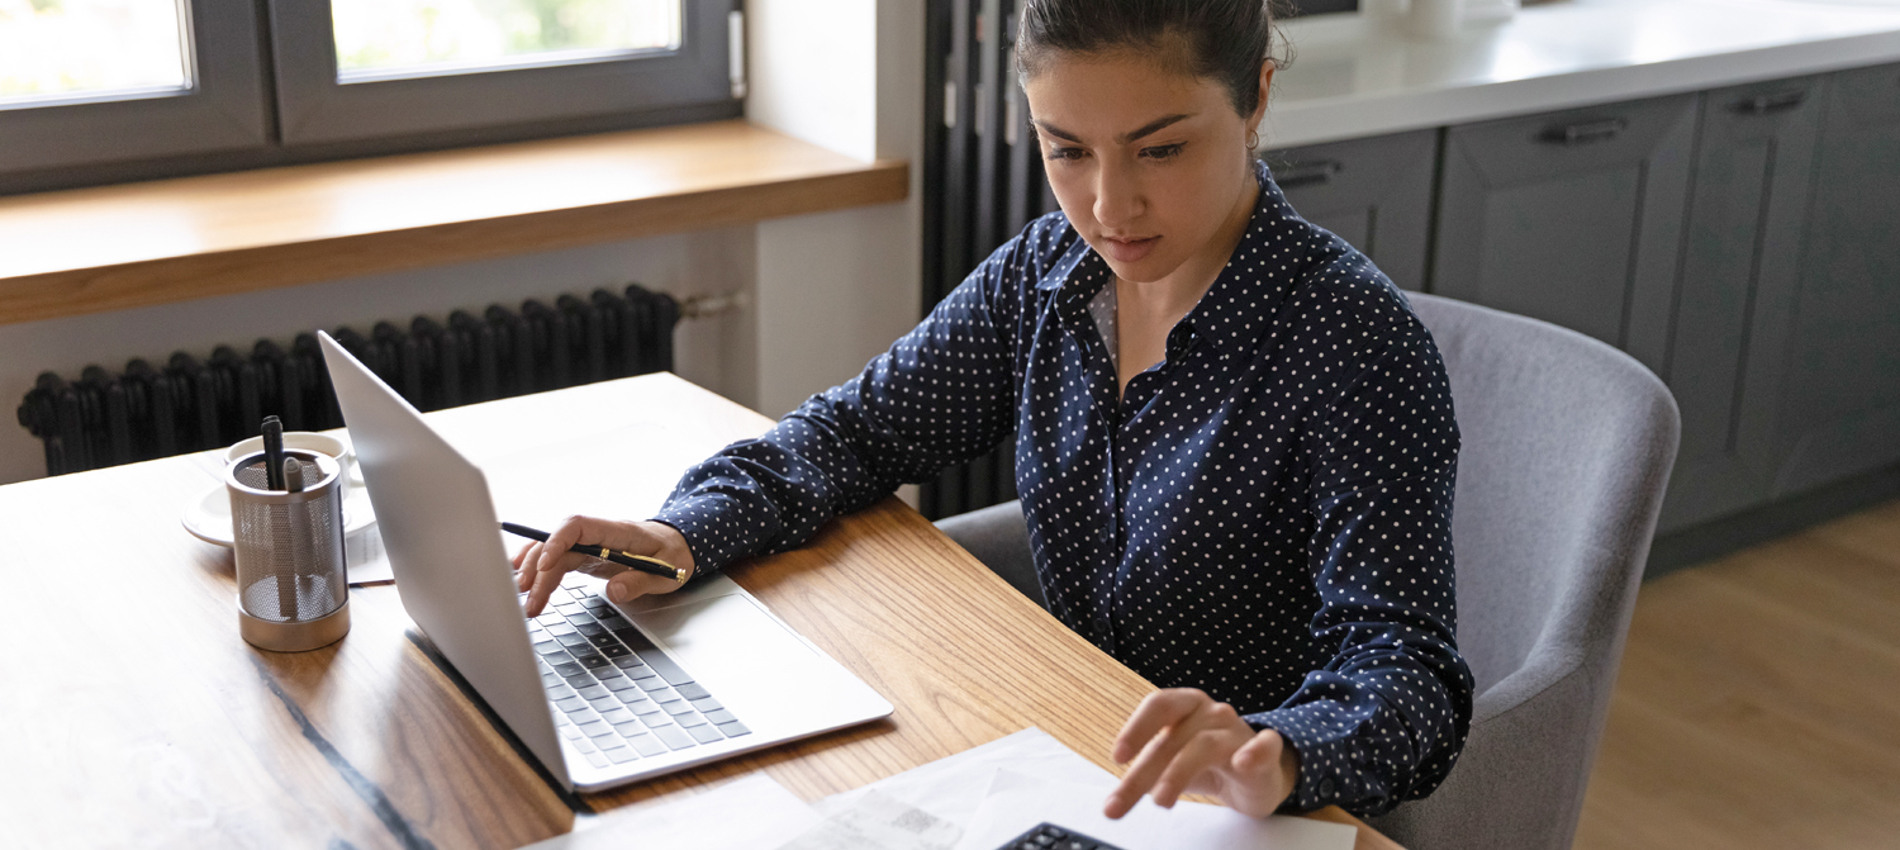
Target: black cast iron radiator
<point>187,404</point>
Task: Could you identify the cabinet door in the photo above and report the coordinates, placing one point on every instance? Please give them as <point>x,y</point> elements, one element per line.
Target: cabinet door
<point>1572,217</point>
<point>1375,193</point>
<point>1841,401</point>
<point>1740,267</point>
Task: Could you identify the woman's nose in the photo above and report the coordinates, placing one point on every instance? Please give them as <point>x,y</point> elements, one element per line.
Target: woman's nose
<point>1118,200</point>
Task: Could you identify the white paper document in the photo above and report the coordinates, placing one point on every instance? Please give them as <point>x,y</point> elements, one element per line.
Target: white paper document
<point>879,822</point>
<point>963,789</point>
<point>750,813</point>
<point>953,787</point>
<point>1016,802</point>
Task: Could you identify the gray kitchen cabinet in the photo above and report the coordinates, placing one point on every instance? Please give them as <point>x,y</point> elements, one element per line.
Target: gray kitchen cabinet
<point>1573,217</point>
<point>1375,193</point>
<point>1840,405</point>
<point>1727,350</point>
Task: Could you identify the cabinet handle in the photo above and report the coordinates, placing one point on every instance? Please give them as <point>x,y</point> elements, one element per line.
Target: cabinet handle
<point>1296,174</point>
<point>1584,133</point>
<point>1770,103</point>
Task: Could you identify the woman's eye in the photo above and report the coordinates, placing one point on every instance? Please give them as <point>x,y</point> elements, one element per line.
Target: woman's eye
<point>1161,152</point>
<point>1065,153</point>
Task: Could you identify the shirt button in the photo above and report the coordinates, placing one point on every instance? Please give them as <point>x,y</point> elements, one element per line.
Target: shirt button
<point>1326,790</point>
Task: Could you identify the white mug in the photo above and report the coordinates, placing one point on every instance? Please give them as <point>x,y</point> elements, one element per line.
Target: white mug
<point>309,441</point>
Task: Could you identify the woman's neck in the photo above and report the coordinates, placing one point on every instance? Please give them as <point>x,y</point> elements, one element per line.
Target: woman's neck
<point>1173,296</point>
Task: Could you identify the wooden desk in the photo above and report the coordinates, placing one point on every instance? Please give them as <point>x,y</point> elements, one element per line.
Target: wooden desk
<point>134,715</point>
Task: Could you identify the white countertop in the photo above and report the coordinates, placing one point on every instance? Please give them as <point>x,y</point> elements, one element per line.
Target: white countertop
<point>1357,75</point>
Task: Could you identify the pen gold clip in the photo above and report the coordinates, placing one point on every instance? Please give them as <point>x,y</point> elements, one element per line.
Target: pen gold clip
<point>616,556</point>
<point>643,563</point>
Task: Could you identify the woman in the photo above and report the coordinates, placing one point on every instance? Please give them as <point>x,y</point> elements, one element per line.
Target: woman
<point>1235,443</point>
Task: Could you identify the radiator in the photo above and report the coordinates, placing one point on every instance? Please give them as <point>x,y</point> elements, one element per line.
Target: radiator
<point>982,183</point>
<point>187,404</point>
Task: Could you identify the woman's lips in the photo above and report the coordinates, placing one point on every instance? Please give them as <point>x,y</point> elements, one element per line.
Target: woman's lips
<point>1129,250</point>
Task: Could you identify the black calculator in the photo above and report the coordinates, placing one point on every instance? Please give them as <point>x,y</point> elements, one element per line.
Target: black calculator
<point>1048,836</point>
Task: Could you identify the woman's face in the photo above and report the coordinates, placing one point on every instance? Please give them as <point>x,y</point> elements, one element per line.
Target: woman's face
<point>1150,164</point>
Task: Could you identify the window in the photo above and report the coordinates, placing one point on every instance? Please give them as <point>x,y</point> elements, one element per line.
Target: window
<point>89,81</point>
<point>197,85</point>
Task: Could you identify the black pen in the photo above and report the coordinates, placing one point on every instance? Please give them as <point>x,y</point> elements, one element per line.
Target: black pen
<point>643,563</point>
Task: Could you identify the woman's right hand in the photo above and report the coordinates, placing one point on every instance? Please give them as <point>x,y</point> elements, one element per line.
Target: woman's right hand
<point>540,566</point>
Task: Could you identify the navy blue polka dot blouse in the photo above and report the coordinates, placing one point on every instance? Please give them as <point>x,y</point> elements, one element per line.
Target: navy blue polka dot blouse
<point>1264,515</point>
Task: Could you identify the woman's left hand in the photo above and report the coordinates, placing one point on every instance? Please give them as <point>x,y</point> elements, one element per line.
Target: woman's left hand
<point>1182,742</point>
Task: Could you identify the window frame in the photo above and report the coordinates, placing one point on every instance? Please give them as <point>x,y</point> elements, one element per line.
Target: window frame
<point>223,110</point>
<point>314,108</point>
<point>265,93</point>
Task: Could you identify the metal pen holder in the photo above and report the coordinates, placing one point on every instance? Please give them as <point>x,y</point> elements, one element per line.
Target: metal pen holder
<point>293,584</point>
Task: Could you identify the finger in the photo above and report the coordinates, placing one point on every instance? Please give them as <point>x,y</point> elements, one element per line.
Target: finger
<point>548,563</point>
<point>1264,772</point>
<point>1262,753</point>
<point>1202,714</point>
<point>1155,756</point>
<point>633,584</point>
<point>548,578</point>
<point>1157,710</point>
<point>525,561</point>
<point>1209,749</point>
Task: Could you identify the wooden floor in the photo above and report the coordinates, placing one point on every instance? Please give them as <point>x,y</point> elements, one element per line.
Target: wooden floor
<point>1759,701</point>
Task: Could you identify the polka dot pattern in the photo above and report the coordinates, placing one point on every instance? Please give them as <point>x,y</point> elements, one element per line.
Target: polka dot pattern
<point>1265,514</point>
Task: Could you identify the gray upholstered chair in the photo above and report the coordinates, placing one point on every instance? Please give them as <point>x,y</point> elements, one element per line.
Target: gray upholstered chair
<point>1567,449</point>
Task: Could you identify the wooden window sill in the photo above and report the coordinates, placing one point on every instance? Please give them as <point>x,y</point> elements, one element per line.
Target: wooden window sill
<point>115,247</point>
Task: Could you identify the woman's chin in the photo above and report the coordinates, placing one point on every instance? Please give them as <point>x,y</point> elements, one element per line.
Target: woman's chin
<point>1146,270</point>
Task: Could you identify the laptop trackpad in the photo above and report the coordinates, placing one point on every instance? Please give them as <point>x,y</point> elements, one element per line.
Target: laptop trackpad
<point>743,656</point>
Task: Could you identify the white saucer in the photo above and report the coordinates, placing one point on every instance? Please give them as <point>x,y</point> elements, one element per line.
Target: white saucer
<point>209,518</point>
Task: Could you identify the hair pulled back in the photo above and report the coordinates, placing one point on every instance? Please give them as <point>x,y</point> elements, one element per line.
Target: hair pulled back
<point>1220,40</point>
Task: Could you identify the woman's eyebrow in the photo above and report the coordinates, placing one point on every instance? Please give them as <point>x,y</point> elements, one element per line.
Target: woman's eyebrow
<point>1149,128</point>
<point>1154,126</point>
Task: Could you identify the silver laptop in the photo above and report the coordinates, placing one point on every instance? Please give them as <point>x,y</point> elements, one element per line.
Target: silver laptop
<point>602,694</point>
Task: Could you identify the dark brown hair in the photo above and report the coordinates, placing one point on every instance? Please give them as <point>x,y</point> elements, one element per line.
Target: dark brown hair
<point>1220,40</point>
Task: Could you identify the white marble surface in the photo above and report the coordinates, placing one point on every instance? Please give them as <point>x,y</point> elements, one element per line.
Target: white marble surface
<point>1359,75</point>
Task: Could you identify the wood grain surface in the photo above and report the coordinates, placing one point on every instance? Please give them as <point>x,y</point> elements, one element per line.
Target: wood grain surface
<point>134,245</point>
<point>1756,706</point>
<point>135,715</point>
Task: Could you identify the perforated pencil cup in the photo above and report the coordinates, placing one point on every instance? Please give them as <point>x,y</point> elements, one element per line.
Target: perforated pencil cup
<point>293,587</point>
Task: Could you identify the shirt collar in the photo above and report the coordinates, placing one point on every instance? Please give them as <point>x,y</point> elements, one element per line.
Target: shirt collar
<point>1238,307</point>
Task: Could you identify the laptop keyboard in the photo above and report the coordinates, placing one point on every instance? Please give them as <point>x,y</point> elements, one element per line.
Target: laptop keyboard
<point>617,698</point>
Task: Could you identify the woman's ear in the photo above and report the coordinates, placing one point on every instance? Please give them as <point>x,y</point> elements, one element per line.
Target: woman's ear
<point>1260,103</point>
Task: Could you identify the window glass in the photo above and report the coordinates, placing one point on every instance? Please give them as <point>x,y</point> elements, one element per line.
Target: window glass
<point>381,39</point>
<point>58,50</point>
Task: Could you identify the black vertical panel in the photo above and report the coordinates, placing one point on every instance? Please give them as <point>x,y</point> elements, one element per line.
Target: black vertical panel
<point>990,128</point>
<point>957,167</point>
<point>992,171</point>
<point>985,182</point>
<point>937,39</point>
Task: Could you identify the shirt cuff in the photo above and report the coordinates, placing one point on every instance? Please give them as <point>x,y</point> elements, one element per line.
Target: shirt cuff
<point>1329,768</point>
<point>712,530</point>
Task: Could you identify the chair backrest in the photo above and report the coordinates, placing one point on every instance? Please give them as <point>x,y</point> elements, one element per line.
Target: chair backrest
<point>1567,445</point>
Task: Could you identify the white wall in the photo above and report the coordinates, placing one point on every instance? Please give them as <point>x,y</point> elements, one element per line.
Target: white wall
<point>830,290</point>
<point>836,289</point>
